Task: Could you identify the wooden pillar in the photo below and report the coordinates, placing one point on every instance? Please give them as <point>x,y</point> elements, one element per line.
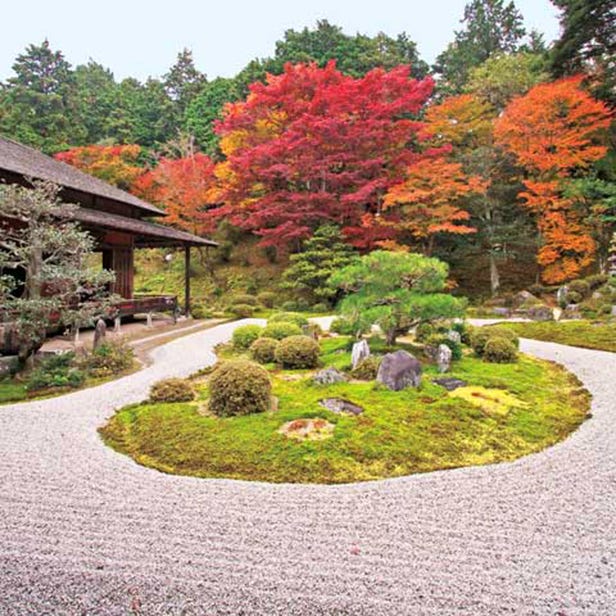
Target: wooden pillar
<point>187,280</point>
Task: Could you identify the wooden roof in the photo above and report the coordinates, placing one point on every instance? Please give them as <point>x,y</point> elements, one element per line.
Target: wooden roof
<point>147,234</point>
<point>30,163</point>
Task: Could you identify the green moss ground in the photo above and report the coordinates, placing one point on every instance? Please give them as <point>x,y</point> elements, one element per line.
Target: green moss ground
<point>399,433</point>
<point>585,334</point>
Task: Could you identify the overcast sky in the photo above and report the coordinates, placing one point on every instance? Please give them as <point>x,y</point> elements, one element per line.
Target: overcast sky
<point>140,38</point>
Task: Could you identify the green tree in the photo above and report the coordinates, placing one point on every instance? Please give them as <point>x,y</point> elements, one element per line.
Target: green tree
<point>184,81</point>
<point>503,76</point>
<point>145,114</point>
<point>96,93</point>
<point>490,27</point>
<point>395,290</point>
<point>321,256</point>
<point>37,103</point>
<point>355,55</point>
<point>205,109</point>
<point>46,279</point>
<point>587,44</point>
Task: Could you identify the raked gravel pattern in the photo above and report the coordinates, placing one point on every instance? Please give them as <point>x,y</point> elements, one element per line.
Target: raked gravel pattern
<point>84,530</point>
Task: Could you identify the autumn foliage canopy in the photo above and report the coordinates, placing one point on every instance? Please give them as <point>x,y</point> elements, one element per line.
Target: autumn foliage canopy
<point>314,145</point>
<point>553,131</point>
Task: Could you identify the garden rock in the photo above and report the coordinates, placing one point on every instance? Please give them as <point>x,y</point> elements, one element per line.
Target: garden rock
<point>100,333</point>
<point>399,370</point>
<point>614,311</point>
<point>561,295</point>
<point>449,383</point>
<point>454,336</point>
<point>525,297</point>
<point>443,358</point>
<point>340,406</point>
<point>540,313</point>
<point>360,351</point>
<point>329,376</point>
<point>9,365</point>
<point>501,312</point>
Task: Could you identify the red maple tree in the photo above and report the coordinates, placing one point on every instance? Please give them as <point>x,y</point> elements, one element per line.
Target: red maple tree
<point>314,145</point>
<point>185,188</point>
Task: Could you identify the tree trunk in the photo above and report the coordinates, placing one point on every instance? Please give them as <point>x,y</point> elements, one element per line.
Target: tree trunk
<point>390,337</point>
<point>494,275</point>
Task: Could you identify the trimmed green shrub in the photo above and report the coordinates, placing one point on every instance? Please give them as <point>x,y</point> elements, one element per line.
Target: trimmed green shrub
<point>245,298</point>
<point>239,388</point>
<point>321,307</point>
<point>267,298</point>
<point>109,358</point>
<point>200,311</point>
<point>313,329</point>
<point>481,335</point>
<point>244,335</point>
<point>298,352</point>
<point>343,326</point>
<point>596,280</point>
<point>423,331</point>
<point>263,350</point>
<point>367,368</point>
<point>56,371</point>
<point>288,317</point>
<point>573,297</point>
<point>579,286</point>
<point>172,390</point>
<point>499,350</point>
<point>289,306</point>
<point>242,310</point>
<point>281,330</point>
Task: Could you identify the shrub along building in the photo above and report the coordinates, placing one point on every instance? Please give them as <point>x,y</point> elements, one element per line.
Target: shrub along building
<point>116,219</point>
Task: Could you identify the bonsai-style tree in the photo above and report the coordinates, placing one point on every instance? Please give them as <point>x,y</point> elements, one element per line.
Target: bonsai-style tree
<point>45,277</point>
<point>322,255</point>
<point>396,291</point>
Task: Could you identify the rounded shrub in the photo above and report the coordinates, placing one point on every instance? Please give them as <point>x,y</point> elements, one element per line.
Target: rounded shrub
<point>595,281</point>
<point>289,306</point>
<point>109,358</point>
<point>267,298</point>
<point>343,326</point>
<point>367,368</point>
<point>321,307</point>
<point>499,350</point>
<point>200,311</point>
<point>481,335</point>
<point>423,331</point>
<point>298,352</point>
<point>242,310</point>
<point>281,330</point>
<point>245,335</point>
<point>172,390</point>
<point>289,317</point>
<point>239,388</point>
<point>263,350</point>
<point>580,287</point>
<point>573,297</point>
<point>245,298</point>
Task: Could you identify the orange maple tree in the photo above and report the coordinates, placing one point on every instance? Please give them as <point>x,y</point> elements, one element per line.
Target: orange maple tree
<point>184,187</point>
<point>116,164</point>
<point>427,201</point>
<point>553,131</point>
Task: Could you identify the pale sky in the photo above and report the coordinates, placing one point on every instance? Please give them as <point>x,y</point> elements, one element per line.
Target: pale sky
<point>141,38</point>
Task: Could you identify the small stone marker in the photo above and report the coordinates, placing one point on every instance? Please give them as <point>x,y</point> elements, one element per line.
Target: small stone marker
<point>449,383</point>
<point>399,370</point>
<point>454,336</point>
<point>360,351</point>
<point>100,333</point>
<point>443,358</point>
<point>329,376</point>
<point>340,406</point>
